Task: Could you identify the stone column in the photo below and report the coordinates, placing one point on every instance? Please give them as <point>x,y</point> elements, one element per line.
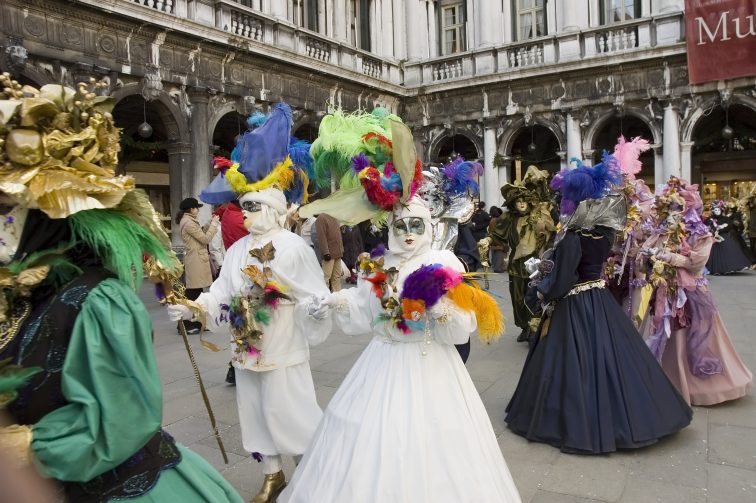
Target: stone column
<point>432,30</point>
<point>671,142</point>
<point>490,189</point>
<point>503,177</point>
<point>179,161</point>
<point>506,23</point>
<point>200,171</point>
<point>400,43</point>
<point>574,140</point>
<point>416,29</point>
<point>686,164</point>
<point>321,16</point>
<point>488,16</point>
<point>340,20</point>
<point>387,29</point>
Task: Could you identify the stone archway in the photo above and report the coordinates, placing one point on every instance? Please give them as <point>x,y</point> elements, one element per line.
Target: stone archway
<point>722,160</point>
<point>537,145</point>
<point>455,141</point>
<point>159,160</point>
<point>226,131</point>
<point>604,132</point>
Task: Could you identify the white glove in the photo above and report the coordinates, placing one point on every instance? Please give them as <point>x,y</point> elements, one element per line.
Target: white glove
<point>319,305</point>
<point>177,312</point>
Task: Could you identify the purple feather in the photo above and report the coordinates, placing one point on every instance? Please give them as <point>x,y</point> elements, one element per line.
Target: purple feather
<point>360,162</point>
<point>429,283</point>
<point>378,251</point>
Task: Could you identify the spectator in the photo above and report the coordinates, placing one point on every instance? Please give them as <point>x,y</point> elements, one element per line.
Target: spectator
<point>350,236</point>
<point>499,245</point>
<point>331,249</point>
<point>196,256</point>
<point>480,221</point>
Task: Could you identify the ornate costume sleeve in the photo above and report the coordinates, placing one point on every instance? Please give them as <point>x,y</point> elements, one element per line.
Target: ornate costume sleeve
<point>564,275</point>
<point>111,382</point>
<point>450,324</point>
<point>697,257</point>
<point>356,309</point>
<point>300,272</point>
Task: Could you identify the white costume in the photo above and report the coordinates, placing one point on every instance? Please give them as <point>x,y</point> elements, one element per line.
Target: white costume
<point>278,411</point>
<point>407,424</point>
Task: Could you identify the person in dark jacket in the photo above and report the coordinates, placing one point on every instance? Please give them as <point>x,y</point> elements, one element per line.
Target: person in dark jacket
<point>331,249</point>
<point>479,222</point>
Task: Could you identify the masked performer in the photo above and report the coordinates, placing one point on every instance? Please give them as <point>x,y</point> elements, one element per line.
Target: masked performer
<point>683,327</point>
<point>448,192</point>
<point>262,294</point>
<point>727,256</point>
<point>527,227</point>
<point>407,423</point>
<point>589,384</point>
<point>73,242</point>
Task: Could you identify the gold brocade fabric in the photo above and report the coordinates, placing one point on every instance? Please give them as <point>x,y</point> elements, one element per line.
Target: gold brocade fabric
<point>60,147</point>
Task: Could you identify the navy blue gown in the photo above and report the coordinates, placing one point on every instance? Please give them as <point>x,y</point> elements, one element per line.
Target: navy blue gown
<point>589,383</point>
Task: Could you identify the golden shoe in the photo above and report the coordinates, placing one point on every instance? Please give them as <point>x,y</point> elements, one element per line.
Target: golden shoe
<point>273,484</point>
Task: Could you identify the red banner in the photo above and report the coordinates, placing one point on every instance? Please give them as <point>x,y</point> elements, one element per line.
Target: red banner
<point>721,37</point>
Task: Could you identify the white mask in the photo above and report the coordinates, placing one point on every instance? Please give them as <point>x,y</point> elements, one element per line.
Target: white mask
<point>410,232</point>
<point>259,217</point>
<point>12,220</point>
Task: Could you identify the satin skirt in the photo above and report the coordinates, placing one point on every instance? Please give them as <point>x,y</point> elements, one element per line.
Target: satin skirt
<point>590,384</point>
<point>404,427</point>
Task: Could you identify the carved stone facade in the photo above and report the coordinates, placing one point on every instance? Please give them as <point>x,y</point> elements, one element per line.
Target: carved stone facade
<point>548,100</point>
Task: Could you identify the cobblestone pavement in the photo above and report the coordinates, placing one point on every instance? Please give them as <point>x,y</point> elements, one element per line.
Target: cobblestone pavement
<point>711,461</point>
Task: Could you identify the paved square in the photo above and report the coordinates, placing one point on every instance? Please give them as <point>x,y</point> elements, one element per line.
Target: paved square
<point>711,461</point>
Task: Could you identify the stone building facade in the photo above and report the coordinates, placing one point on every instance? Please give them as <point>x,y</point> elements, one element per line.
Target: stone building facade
<point>510,82</point>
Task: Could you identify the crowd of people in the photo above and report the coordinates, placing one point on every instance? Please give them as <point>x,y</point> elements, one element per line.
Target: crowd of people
<point>606,369</point>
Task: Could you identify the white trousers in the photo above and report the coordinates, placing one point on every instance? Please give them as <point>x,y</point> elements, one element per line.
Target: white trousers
<point>278,412</point>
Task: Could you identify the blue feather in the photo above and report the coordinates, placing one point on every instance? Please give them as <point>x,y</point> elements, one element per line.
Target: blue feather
<point>258,151</point>
<point>299,151</point>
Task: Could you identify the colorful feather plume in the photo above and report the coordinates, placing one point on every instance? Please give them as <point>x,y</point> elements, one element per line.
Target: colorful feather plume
<point>627,154</point>
<point>221,163</point>
<point>586,182</point>
<point>461,176</point>
<point>378,251</point>
<point>273,293</point>
<point>256,120</point>
<point>470,297</point>
<point>429,283</point>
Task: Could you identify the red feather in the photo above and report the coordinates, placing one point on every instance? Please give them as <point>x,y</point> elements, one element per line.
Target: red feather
<point>370,179</point>
<point>377,280</point>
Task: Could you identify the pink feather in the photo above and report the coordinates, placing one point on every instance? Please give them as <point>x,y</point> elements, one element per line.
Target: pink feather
<point>628,152</point>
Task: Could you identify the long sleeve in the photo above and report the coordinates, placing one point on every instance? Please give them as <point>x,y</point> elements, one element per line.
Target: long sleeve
<point>203,237</point>
<point>356,309</point>
<point>321,228</point>
<point>111,382</point>
<point>563,277</point>
<point>455,326</point>
<point>696,259</point>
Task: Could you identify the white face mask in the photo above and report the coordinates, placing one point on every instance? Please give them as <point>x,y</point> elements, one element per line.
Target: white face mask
<point>410,232</point>
<point>716,212</point>
<point>12,220</point>
<point>259,218</point>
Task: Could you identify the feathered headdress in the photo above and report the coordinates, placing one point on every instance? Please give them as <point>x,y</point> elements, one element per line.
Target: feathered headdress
<point>373,158</point>
<point>627,154</point>
<point>586,182</point>
<point>62,148</point>
<point>533,189</point>
<point>265,157</point>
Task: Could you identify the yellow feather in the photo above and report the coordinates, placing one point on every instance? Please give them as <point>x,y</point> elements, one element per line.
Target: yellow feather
<point>471,297</point>
<point>281,176</point>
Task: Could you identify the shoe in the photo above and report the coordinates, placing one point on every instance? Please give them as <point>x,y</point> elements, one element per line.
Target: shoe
<point>523,335</point>
<point>192,331</point>
<point>273,484</point>
<point>231,376</point>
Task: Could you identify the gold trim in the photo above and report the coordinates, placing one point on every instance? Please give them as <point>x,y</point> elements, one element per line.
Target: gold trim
<point>588,285</point>
<point>9,328</point>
